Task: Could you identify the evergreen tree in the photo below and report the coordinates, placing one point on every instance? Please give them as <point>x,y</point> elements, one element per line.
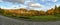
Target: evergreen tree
<point>59,8</point>
<point>55,7</point>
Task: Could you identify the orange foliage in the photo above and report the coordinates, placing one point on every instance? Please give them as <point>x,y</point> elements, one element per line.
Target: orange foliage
<point>50,12</point>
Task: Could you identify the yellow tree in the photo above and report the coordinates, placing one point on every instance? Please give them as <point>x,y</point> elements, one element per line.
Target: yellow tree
<point>42,12</point>
<point>50,12</point>
<point>33,12</point>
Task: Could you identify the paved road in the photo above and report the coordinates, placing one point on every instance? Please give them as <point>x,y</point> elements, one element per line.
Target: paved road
<point>10,21</point>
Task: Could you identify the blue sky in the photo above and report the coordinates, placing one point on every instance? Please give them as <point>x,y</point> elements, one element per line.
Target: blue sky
<point>29,4</point>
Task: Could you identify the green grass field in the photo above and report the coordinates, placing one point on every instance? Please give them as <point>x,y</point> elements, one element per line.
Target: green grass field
<point>39,18</point>
<point>45,18</point>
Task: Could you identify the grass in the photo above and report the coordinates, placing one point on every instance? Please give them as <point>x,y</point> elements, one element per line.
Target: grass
<point>39,18</point>
<point>45,18</point>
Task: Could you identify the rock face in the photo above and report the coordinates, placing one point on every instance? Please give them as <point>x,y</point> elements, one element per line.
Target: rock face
<point>10,21</point>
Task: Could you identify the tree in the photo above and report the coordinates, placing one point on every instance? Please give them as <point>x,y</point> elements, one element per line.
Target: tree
<point>50,11</point>
<point>57,9</point>
<point>42,13</point>
<point>1,11</point>
<point>34,12</point>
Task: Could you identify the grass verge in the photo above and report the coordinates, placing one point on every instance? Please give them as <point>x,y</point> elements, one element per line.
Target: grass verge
<point>38,18</point>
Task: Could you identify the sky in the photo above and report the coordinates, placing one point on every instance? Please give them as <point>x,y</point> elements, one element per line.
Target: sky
<point>29,4</point>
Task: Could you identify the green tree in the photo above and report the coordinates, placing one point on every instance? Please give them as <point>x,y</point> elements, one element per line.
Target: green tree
<point>1,11</point>
<point>57,9</point>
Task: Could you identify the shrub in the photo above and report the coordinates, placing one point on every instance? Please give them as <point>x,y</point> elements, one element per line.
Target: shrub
<point>57,15</point>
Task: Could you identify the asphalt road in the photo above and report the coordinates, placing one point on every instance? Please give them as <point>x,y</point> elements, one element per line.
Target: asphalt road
<point>11,21</point>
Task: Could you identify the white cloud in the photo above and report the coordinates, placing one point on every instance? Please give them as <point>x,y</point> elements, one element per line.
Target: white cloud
<point>20,1</point>
<point>57,5</point>
<point>49,0</point>
<point>1,0</point>
<point>54,0</point>
<point>32,4</point>
<point>36,5</point>
<point>26,2</point>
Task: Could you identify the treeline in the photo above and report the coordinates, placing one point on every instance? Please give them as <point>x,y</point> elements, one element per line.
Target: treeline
<point>24,12</point>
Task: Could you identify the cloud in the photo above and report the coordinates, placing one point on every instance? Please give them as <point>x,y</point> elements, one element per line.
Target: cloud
<point>33,5</point>
<point>36,5</point>
<point>54,0</point>
<point>20,1</point>
<point>1,0</point>
<point>49,0</point>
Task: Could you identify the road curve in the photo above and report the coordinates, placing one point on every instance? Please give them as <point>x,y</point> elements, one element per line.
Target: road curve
<point>11,21</point>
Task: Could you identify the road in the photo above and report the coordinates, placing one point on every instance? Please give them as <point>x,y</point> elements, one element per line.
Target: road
<point>11,21</point>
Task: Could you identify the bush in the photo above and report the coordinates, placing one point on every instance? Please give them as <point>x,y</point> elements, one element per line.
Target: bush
<point>1,11</point>
<point>24,17</point>
<point>57,15</point>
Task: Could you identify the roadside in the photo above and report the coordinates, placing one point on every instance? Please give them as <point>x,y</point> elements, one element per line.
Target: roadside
<point>10,21</point>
